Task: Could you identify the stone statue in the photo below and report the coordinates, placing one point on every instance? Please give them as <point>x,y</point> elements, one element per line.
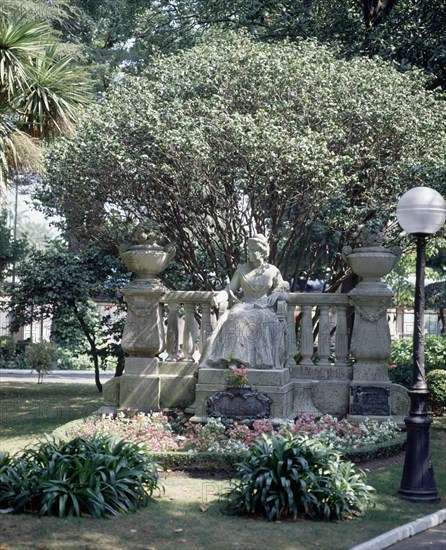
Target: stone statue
<point>250,331</point>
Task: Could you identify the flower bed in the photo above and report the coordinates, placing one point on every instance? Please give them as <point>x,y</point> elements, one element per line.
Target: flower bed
<point>162,433</point>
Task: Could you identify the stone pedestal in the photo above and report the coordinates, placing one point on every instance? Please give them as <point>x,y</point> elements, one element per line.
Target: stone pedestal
<point>370,388</point>
<point>274,383</point>
<point>153,385</point>
<point>148,384</point>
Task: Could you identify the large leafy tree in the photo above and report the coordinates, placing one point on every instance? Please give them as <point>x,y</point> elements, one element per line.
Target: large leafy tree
<point>236,136</point>
<point>61,286</point>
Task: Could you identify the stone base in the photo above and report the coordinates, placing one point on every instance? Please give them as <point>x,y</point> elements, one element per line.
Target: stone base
<point>152,385</point>
<point>274,383</point>
<point>399,401</point>
<point>371,372</point>
<point>316,372</point>
<point>331,396</point>
<point>302,398</point>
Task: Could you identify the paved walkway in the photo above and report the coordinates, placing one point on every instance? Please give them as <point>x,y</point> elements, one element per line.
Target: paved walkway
<point>54,376</point>
<point>422,534</point>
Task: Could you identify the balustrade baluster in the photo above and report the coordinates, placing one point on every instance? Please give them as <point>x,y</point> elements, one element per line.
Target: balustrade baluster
<point>341,336</point>
<point>291,335</point>
<point>306,336</point>
<point>189,332</point>
<point>323,340</point>
<point>172,340</point>
<point>206,325</point>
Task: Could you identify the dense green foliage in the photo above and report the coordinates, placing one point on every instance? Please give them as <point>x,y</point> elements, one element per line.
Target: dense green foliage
<point>100,477</point>
<point>7,351</point>
<point>286,477</point>
<point>39,92</point>
<point>60,285</point>
<point>234,136</point>
<point>401,358</point>
<point>436,382</point>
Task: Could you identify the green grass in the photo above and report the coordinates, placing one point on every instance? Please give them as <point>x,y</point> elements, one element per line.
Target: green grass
<point>28,411</point>
<point>189,514</point>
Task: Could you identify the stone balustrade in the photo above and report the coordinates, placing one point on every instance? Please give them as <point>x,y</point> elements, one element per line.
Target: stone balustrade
<point>327,311</point>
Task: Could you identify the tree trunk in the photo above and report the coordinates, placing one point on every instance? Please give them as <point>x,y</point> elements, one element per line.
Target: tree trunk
<point>376,10</point>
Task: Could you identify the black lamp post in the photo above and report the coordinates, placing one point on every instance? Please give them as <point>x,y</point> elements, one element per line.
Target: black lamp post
<point>421,212</point>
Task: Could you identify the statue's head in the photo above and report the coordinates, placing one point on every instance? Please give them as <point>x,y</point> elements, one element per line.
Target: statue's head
<point>259,243</point>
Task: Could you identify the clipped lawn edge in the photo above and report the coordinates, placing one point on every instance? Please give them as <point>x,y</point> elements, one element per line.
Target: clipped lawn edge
<point>226,462</point>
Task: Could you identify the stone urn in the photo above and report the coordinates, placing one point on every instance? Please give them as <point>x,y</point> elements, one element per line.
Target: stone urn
<point>370,259</point>
<point>371,262</point>
<point>147,260</point>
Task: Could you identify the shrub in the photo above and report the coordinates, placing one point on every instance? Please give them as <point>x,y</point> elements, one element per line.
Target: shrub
<point>436,382</point>
<point>401,358</point>
<point>20,358</point>
<point>69,360</point>
<point>7,350</point>
<point>287,476</point>
<point>41,356</point>
<point>99,476</point>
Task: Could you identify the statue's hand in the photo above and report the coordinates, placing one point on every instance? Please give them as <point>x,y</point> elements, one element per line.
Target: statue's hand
<point>218,298</point>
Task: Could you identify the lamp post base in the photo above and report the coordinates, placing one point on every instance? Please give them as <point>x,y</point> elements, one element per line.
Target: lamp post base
<point>417,483</point>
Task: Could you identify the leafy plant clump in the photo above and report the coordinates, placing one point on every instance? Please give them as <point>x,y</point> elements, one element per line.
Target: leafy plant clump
<point>99,476</point>
<point>287,477</point>
<point>7,351</point>
<point>436,382</point>
<point>401,358</point>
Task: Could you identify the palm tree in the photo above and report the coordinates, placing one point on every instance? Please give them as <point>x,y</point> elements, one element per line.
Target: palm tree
<point>40,90</point>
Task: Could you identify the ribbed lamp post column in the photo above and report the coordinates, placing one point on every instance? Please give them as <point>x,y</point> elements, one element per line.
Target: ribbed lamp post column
<point>421,212</point>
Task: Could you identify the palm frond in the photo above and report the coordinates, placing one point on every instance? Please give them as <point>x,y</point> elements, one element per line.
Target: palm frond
<point>48,105</point>
<point>20,41</point>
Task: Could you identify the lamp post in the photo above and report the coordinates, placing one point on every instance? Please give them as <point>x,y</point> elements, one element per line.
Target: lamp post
<point>421,212</point>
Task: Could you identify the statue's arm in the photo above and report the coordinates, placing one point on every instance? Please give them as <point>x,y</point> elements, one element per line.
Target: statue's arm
<point>279,285</point>
<point>279,290</point>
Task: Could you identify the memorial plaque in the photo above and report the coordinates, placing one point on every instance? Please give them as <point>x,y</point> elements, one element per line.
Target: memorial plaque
<point>239,404</point>
<point>370,400</point>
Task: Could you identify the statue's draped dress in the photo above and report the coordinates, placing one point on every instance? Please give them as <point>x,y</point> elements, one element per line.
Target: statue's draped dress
<point>250,331</point>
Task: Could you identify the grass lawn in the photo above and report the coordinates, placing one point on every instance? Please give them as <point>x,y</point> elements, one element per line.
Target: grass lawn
<point>28,411</point>
<point>188,514</point>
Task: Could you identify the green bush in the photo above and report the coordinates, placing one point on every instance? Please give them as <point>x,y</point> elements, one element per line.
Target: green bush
<point>401,358</point>
<point>290,477</point>
<point>41,356</point>
<point>99,476</point>
<point>436,382</point>
<point>68,359</point>
<point>7,350</point>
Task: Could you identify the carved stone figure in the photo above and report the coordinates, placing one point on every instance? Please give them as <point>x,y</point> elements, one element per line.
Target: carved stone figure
<point>250,331</point>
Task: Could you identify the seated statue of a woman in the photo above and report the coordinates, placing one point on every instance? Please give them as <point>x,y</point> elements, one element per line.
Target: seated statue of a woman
<point>250,331</point>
